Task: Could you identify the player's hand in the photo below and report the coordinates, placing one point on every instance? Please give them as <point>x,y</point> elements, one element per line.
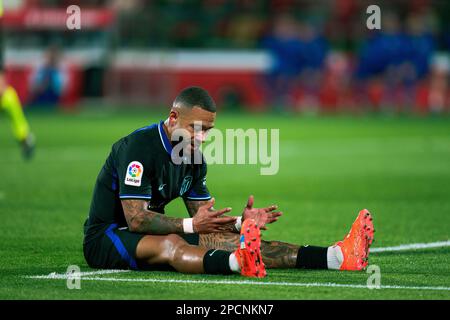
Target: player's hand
<point>208,220</point>
<point>262,216</point>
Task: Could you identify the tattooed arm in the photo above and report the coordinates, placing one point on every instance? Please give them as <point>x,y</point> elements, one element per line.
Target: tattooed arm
<point>142,220</point>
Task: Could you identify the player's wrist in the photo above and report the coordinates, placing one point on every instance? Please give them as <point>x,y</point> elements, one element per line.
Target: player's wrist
<point>188,225</point>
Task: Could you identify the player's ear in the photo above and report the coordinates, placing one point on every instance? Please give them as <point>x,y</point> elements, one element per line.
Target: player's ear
<point>174,115</point>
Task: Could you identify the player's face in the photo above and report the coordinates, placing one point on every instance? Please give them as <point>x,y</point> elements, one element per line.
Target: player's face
<point>196,121</point>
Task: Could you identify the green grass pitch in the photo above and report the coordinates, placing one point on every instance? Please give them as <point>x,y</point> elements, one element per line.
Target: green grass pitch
<point>330,168</point>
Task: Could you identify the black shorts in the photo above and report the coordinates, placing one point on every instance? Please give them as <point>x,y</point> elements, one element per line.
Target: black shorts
<point>111,247</point>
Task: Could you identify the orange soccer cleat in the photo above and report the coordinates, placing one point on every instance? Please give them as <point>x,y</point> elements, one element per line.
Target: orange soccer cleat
<point>249,252</point>
<point>355,246</point>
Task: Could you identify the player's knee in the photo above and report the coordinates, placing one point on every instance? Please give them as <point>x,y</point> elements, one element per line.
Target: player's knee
<point>173,245</point>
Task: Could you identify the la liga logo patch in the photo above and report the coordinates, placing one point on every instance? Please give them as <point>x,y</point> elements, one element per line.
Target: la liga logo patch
<point>134,174</point>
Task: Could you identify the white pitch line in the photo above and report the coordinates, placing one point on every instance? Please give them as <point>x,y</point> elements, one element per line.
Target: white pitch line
<point>55,275</point>
<point>412,246</point>
<point>253,283</point>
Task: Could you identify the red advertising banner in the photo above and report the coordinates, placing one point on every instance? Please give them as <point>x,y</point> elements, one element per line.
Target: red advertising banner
<point>56,18</point>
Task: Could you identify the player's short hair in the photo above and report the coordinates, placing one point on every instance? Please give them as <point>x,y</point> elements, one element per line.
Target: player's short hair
<point>196,96</point>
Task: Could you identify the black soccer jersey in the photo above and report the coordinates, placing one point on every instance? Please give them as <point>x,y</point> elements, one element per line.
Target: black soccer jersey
<point>140,167</point>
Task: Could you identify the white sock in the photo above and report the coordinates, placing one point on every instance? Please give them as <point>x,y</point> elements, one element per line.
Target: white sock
<point>234,264</point>
<point>334,257</point>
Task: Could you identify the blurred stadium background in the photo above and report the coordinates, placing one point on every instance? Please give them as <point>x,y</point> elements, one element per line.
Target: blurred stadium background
<point>283,55</point>
<point>266,61</point>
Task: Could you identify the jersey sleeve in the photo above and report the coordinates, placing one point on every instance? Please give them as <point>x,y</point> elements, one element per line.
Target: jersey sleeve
<point>133,171</point>
<point>199,190</point>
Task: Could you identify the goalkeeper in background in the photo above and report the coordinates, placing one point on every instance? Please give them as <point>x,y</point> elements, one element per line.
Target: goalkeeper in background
<point>10,103</point>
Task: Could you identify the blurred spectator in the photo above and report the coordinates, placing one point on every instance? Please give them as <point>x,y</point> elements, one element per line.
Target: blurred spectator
<point>48,81</point>
<point>313,57</point>
<point>286,48</point>
<point>244,30</point>
<point>398,58</point>
<point>382,49</point>
<point>438,97</point>
<point>298,54</point>
<point>420,44</point>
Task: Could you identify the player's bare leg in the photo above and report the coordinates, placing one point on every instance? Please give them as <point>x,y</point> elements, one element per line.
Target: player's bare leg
<point>275,254</point>
<point>172,250</point>
<point>350,254</point>
<point>183,257</point>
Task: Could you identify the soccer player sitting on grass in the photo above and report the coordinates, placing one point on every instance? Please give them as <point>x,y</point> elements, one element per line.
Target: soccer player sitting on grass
<point>127,226</point>
<point>10,103</point>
